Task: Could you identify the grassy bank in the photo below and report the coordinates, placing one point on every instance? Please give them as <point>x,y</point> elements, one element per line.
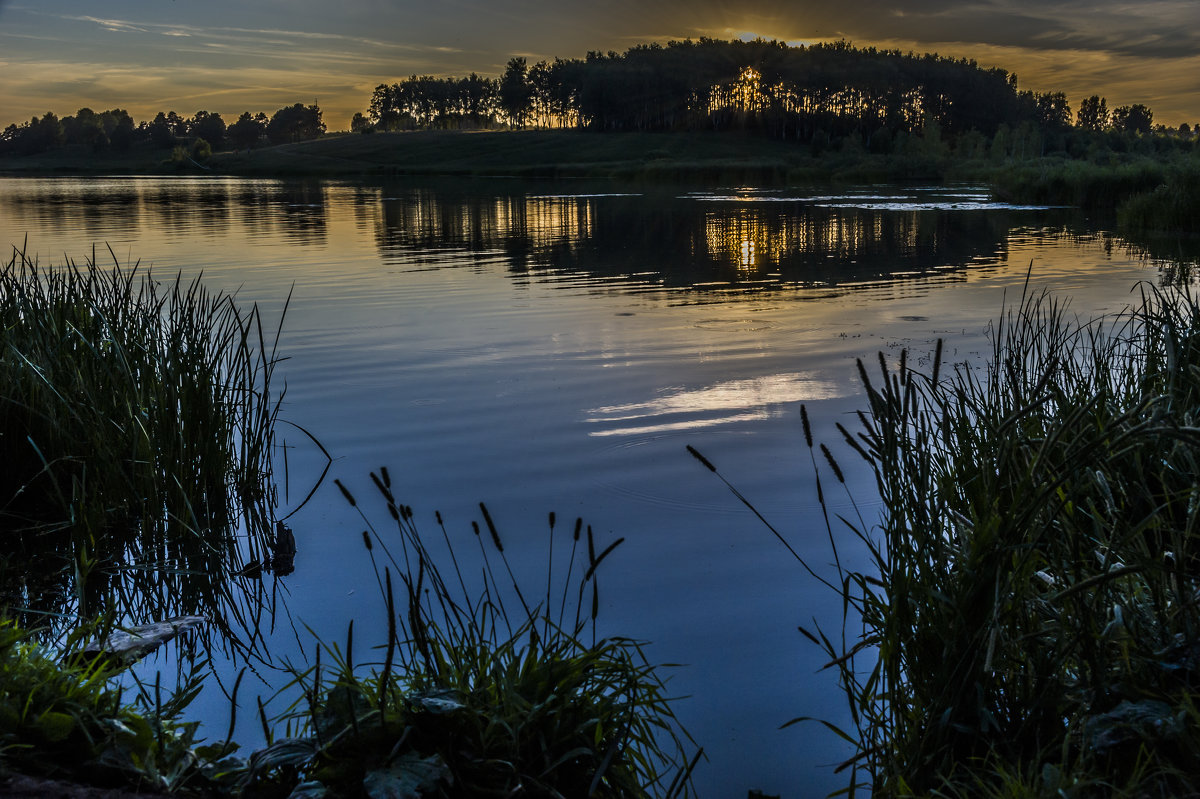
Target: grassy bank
<point>675,157</point>
<point>1030,624</point>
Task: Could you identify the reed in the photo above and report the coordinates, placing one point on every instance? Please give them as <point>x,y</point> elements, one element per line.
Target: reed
<point>1086,184</point>
<point>136,432</point>
<point>1030,623</point>
<point>1173,207</point>
<point>478,693</point>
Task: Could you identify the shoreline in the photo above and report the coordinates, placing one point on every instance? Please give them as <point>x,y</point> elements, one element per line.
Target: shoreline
<point>536,154</point>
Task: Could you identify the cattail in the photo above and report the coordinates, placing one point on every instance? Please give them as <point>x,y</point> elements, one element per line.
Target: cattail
<point>701,458</point>
<point>852,442</point>
<point>387,478</point>
<point>487,518</point>
<point>937,361</point>
<point>862,374</point>
<point>437,514</point>
<point>346,493</point>
<point>382,488</point>
<point>578,527</point>
<point>367,540</point>
<point>837,471</point>
<point>551,520</point>
<point>804,424</point>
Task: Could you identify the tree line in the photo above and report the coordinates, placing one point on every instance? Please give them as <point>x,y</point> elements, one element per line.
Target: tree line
<point>115,130</point>
<point>810,93</point>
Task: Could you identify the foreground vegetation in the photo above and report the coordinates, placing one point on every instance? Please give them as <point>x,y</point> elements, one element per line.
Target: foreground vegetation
<point>138,428</point>
<point>1029,625</point>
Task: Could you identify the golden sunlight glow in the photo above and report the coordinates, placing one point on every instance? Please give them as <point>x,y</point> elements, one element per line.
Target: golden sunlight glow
<point>748,93</point>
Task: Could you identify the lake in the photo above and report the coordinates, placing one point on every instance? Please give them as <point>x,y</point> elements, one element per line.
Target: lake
<point>555,347</point>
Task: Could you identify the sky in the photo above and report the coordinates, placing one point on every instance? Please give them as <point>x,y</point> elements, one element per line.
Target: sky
<point>229,56</point>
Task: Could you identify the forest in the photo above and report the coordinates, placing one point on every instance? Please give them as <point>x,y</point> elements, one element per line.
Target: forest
<point>823,95</point>
<point>814,94</point>
<point>115,131</point>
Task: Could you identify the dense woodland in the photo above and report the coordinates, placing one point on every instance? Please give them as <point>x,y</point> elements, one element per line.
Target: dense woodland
<point>824,95</point>
<point>820,94</point>
<point>116,131</point>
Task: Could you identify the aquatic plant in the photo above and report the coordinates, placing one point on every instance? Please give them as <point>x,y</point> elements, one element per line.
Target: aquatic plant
<point>1031,616</point>
<point>63,715</point>
<point>136,430</point>
<point>1029,622</point>
<point>1173,207</point>
<point>479,692</point>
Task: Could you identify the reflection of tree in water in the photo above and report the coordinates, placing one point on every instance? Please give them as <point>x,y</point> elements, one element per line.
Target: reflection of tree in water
<point>681,242</point>
<point>183,207</point>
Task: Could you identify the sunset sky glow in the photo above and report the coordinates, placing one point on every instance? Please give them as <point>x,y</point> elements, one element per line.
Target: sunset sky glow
<point>157,55</point>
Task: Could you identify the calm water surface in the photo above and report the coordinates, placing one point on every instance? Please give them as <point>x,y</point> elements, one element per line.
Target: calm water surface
<point>555,348</point>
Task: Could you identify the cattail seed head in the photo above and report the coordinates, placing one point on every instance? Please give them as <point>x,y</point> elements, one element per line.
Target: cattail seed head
<point>487,518</point>
<point>346,493</point>
<point>837,471</point>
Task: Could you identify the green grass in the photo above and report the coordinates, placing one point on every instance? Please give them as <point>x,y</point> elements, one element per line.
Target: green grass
<point>1030,623</point>
<point>1174,206</point>
<point>65,717</point>
<point>136,429</point>
<point>1085,184</point>
<point>484,691</point>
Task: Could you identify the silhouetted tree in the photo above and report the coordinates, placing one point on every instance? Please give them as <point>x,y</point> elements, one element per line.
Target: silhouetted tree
<point>208,126</point>
<point>162,130</point>
<point>1093,113</point>
<point>516,95</point>
<point>295,123</point>
<point>1135,118</point>
<point>248,130</point>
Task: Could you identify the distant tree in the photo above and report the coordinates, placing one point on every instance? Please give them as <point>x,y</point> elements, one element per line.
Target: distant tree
<point>209,127</point>
<point>1135,118</point>
<point>1053,110</point>
<point>478,97</point>
<point>42,134</point>
<point>1093,113</point>
<point>360,124</point>
<point>248,130</point>
<point>162,130</point>
<point>120,128</point>
<point>516,95</point>
<point>201,150</point>
<point>295,123</point>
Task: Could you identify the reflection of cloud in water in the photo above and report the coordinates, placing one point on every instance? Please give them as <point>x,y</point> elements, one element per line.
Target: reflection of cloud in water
<point>723,403</point>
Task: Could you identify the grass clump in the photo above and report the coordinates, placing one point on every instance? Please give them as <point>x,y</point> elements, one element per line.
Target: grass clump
<point>1172,207</point>
<point>136,428</point>
<point>1086,184</point>
<point>65,717</point>
<point>1030,623</point>
<point>479,693</point>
